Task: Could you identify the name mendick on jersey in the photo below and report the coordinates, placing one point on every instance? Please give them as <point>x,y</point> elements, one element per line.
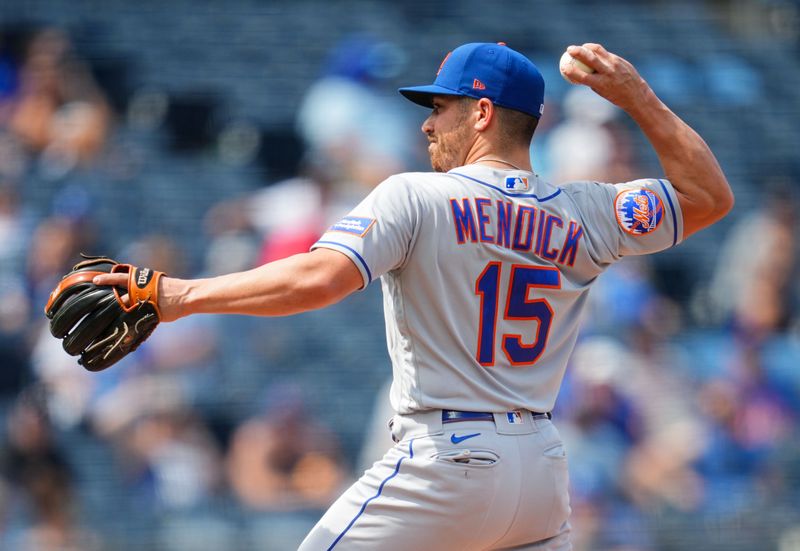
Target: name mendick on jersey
<point>525,228</point>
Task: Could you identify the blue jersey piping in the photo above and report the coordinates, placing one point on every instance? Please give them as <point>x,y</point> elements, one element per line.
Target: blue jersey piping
<point>531,195</point>
<point>360,258</point>
<point>380,490</point>
<point>674,218</point>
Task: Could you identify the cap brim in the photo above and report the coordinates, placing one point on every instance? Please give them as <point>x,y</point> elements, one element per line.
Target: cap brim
<point>423,95</point>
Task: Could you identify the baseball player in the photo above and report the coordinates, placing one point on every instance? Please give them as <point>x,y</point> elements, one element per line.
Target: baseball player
<point>485,270</point>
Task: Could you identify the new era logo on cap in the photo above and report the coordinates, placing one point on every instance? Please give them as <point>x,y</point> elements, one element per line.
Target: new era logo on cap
<point>486,70</point>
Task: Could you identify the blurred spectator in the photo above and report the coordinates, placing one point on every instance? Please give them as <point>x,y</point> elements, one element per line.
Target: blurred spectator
<point>68,385</point>
<point>355,138</point>
<point>631,432</point>
<point>57,109</point>
<point>14,159</point>
<point>12,44</point>
<point>622,297</point>
<point>753,284</point>
<point>588,143</point>
<point>15,303</point>
<point>286,218</point>
<point>13,228</point>
<point>38,470</point>
<point>739,458</point>
<point>283,459</point>
<point>55,247</point>
<point>9,74</point>
<point>348,123</point>
<point>169,454</point>
<point>165,448</point>
<point>599,425</point>
<point>750,419</point>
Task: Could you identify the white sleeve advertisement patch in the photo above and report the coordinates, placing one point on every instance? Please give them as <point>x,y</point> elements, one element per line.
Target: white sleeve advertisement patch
<point>354,225</point>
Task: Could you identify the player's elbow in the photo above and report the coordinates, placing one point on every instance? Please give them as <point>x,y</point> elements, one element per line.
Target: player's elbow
<point>728,202</point>
<point>721,201</point>
<point>706,208</point>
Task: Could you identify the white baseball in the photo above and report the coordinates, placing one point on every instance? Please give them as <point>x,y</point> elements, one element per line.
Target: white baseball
<point>567,60</point>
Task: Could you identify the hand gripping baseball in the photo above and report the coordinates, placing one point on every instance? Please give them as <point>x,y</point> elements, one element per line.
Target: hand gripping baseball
<point>96,322</point>
<point>614,78</point>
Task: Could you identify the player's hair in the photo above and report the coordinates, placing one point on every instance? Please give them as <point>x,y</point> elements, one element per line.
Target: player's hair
<point>516,127</point>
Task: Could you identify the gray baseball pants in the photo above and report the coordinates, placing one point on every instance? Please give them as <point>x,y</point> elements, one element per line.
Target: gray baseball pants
<point>477,485</point>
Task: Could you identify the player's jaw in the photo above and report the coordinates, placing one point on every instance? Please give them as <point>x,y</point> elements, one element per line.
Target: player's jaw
<point>447,151</point>
<point>447,135</point>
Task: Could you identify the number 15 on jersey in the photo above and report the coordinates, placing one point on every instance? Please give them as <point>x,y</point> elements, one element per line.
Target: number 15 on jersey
<point>519,307</point>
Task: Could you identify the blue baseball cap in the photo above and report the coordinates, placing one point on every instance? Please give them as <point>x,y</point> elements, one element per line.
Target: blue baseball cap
<point>486,70</point>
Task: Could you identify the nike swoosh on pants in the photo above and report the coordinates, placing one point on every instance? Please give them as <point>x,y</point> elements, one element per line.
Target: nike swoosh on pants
<point>458,439</point>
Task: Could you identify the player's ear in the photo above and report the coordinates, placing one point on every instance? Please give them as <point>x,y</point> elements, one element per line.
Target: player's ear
<point>485,111</point>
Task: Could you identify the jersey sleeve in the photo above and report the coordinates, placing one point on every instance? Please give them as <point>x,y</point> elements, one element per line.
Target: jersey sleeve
<point>378,234</point>
<point>631,218</point>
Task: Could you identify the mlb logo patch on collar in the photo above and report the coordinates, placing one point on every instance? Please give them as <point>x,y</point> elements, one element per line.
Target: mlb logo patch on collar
<point>354,225</point>
<point>517,183</point>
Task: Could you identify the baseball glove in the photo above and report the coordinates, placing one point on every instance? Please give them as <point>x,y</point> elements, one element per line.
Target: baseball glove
<point>94,321</point>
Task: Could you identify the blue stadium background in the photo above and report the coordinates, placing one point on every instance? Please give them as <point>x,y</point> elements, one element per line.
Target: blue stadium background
<point>166,133</point>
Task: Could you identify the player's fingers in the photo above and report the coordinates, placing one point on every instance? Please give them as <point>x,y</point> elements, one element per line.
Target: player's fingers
<point>119,280</point>
<point>588,57</point>
<point>596,48</point>
<point>578,76</point>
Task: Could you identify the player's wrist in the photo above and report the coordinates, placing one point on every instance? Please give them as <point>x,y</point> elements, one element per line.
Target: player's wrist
<point>650,113</point>
<point>173,298</point>
<point>641,101</point>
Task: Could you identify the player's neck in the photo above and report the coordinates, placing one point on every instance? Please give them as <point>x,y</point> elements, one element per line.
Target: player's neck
<point>505,159</point>
<point>507,162</point>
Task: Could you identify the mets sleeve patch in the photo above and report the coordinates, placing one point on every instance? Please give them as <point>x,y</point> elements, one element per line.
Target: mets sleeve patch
<point>639,211</point>
<point>354,225</point>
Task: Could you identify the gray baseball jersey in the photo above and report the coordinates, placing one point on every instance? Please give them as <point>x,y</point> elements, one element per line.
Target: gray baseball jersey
<point>485,274</point>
